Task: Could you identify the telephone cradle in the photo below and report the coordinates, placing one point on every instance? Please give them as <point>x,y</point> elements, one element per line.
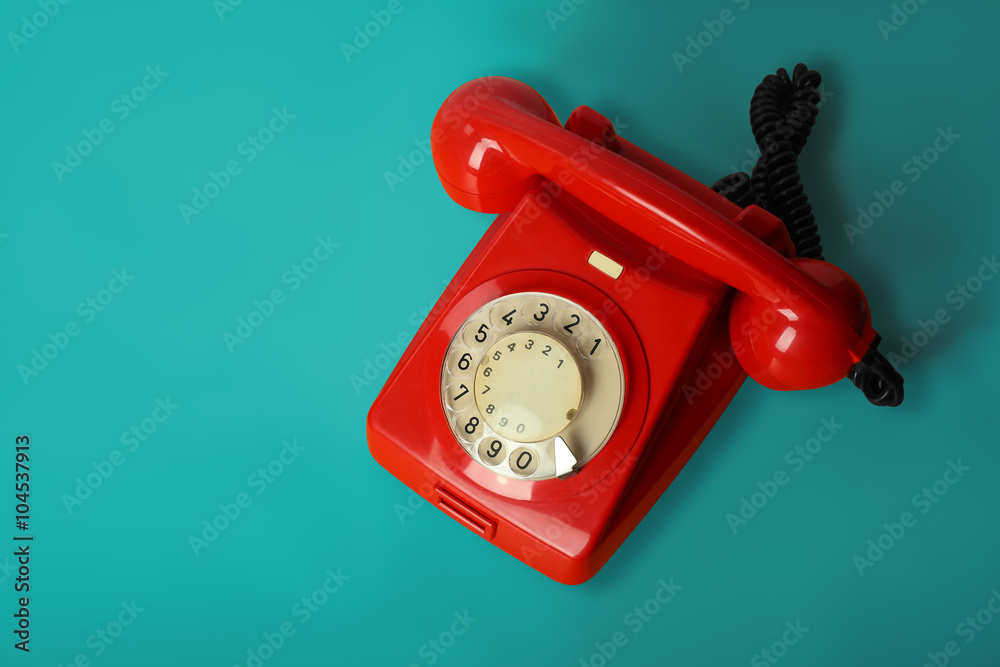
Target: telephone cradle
<point>597,331</point>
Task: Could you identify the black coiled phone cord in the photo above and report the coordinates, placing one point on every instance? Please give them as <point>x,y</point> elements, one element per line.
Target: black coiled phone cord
<point>782,113</point>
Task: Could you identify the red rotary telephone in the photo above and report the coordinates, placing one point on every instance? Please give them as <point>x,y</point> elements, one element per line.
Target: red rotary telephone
<point>604,321</point>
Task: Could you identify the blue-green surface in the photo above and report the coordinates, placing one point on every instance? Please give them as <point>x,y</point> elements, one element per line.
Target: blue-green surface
<point>113,515</point>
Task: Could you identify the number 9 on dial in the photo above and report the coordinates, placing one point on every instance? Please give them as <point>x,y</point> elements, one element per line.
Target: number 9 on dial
<point>492,451</point>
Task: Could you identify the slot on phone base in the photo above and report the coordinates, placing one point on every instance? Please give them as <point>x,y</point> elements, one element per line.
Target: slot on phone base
<point>459,510</point>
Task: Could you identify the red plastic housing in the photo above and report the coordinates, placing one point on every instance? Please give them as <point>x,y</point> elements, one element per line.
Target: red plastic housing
<point>684,334</point>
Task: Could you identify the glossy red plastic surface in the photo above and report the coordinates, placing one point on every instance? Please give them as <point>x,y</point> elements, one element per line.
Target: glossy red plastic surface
<point>489,160</point>
<point>563,528</point>
<point>679,327</point>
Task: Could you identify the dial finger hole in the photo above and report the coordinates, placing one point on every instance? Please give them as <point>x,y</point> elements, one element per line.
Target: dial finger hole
<point>469,426</point>
<point>523,462</point>
<point>492,451</point>
<point>458,396</point>
<point>461,363</point>
<point>569,322</point>
<point>505,315</point>
<point>476,334</point>
<point>591,344</point>
<point>537,311</point>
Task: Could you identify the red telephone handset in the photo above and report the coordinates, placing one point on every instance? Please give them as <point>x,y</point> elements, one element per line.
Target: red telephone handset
<point>589,342</point>
<point>490,161</point>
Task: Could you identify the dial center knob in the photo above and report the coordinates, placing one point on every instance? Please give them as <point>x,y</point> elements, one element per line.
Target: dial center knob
<point>528,386</point>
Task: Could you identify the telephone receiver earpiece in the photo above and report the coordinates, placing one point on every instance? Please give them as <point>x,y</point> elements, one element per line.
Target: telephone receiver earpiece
<point>795,323</point>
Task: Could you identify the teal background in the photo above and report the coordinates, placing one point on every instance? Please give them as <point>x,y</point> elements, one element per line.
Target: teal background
<point>411,568</point>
